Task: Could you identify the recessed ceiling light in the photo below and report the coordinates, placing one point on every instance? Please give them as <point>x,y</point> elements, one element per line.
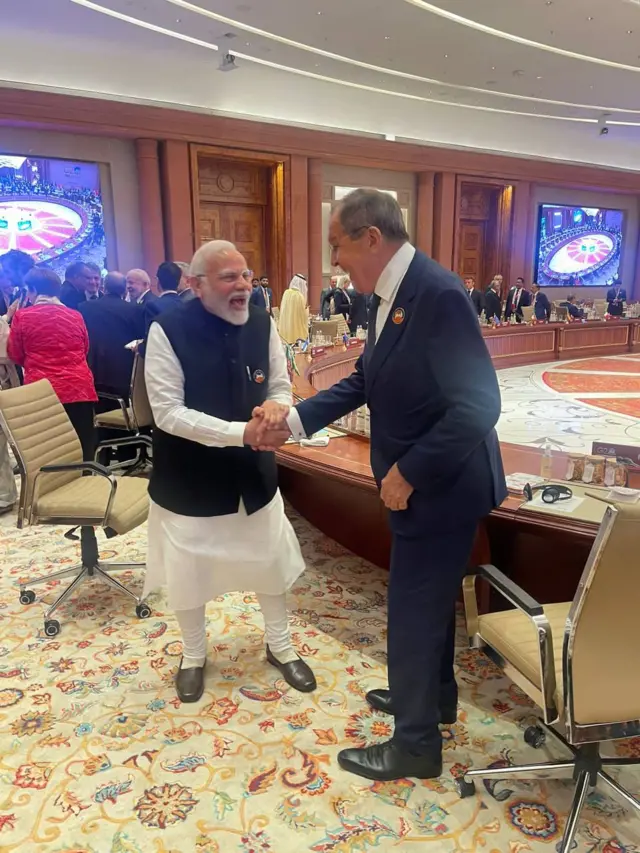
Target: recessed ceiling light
<point>318,13</point>
<point>178,20</point>
<point>446,56</point>
<point>493,67</point>
<point>518,72</point>
<point>386,38</point>
<point>590,18</point>
<point>247,44</point>
<point>549,3</point>
<point>629,32</point>
<point>539,77</point>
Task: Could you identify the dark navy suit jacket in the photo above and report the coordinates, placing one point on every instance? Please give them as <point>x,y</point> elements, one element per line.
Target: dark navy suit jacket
<point>154,307</point>
<point>257,298</point>
<point>434,400</point>
<point>542,307</point>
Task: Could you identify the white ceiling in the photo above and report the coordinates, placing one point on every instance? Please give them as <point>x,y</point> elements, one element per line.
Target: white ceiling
<point>529,77</point>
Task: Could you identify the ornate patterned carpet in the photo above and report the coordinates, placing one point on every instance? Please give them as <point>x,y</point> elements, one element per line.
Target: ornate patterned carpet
<point>98,756</point>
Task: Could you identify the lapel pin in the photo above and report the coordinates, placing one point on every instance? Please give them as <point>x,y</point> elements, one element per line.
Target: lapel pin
<point>398,316</point>
<point>258,376</point>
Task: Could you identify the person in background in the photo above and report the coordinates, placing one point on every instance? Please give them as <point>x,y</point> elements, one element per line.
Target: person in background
<point>616,297</point>
<point>262,295</point>
<point>95,282</point>
<point>326,295</point>
<point>293,323</point>
<point>184,288</point>
<point>50,341</point>
<point>112,323</point>
<point>341,298</point>
<point>574,312</point>
<point>359,316</point>
<point>14,265</point>
<point>77,280</point>
<point>493,301</point>
<point>217,522</point>
<point>25,299</point>
<point>434,399</point>
<point>139,287</point>
<point>168,276</point>
<point>474,295</point>
<point>541,304</point>
<point>517,299</point>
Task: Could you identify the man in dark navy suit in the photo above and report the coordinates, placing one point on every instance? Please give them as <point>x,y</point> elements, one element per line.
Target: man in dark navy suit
<point>262,295</point>
<point>433,395</point>
<point>168,275</point>
<point>541,304</point>
<point>616,297</point>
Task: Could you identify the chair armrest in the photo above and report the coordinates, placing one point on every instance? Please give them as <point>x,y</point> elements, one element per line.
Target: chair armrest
<point>531,608</point>
<point>94,467</point>
<point>509,590</point>
<point>105,395</point>
<point>121,442</point>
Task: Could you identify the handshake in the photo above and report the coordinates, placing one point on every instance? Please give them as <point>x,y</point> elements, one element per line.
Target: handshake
<point>267,429</point>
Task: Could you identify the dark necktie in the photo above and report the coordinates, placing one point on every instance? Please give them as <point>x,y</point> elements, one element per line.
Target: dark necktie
<point>373,316</point>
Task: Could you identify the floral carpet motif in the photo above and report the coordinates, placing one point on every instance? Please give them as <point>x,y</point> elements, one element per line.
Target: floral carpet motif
<point>566,381</point>
<point>97,755</point>
<point>621,405</point>
<point>608,365</point>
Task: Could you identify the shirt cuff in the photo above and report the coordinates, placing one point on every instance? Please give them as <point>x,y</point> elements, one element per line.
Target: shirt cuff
<point>235,434</point>
<point>295,425</point>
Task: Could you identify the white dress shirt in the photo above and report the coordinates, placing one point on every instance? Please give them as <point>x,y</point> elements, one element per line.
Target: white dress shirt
<point>386,288</point>
<point>199,559</point>
<point>165,387</point>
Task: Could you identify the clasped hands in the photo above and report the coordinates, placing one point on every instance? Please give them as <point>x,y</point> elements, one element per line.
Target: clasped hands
<point>267,429</point>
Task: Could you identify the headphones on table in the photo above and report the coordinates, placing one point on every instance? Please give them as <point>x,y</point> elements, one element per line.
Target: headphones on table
<point>550,494</point>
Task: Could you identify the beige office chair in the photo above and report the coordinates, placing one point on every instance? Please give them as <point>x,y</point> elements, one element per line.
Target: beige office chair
<point>577,660</point>
<point>54,491</point>
<point>130,418</point>
<point>527,313</point>
<point>600,306</point>
<point>326,328</point>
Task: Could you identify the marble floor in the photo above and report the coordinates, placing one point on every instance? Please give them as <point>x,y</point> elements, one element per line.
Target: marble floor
<point>571,404</point>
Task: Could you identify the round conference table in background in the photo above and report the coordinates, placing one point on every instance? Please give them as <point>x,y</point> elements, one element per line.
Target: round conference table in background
<point>333,487</point>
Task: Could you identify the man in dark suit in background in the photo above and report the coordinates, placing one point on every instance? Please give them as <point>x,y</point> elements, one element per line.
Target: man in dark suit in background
<point>112,323</point>
<point>432,391</point>
<point>262,295</point>
<point>326,295</point>
<point>517,299</point>
<point>474,295</point>
<point>572,309</point>
<point>541,304</point>
<point>493,301</point>
<point>616,297</point>
<point>168,275</point>
<point>77,280</point>
<point>359,315</point>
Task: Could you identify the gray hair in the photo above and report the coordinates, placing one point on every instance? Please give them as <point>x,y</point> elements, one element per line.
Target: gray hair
<point>143,274</point>
<point>366,208</point>
<point>184,268</point>
<point>206,251</point>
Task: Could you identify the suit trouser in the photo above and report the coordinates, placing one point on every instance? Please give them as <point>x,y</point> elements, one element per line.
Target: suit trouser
<point>424,582</point>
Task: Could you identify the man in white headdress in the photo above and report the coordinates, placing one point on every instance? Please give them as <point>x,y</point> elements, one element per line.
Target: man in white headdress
<point>217,521</point>
<point>293,324</point>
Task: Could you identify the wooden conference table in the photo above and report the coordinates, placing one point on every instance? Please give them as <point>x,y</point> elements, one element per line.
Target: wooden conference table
<point>333,487</point>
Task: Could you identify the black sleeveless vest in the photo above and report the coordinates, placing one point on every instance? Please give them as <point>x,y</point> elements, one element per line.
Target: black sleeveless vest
<point>226,374</point>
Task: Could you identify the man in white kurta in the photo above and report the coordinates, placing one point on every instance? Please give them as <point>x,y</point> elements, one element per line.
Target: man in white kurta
<point>197,557</point>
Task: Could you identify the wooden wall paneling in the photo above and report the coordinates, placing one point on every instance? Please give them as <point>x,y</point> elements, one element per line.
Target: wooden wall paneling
<point>503,237</point>
<point>126,120</point>
<point>299,225</point>
<point>521,237</point>
<point>579,340</point>
<point>276,232</point>
<point>176,199</point>
<point>424,212</point>
<point>150,204</point>
<point>444,218</point>
<point>471,243</point>
<point>314,201</point>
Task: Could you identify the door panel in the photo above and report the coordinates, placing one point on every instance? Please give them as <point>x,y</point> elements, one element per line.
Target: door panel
<point>471,260</point>
<point>239,223</point>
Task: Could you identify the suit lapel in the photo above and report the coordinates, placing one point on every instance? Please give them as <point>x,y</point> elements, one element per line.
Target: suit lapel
<point>394,326</point>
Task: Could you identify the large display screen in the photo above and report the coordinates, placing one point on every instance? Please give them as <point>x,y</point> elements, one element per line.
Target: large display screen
<point>578,246</point>
<point>51,209</point>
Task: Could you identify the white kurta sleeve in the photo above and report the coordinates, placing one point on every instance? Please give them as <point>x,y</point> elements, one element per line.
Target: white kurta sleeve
<point>279,388</point>
<point>165,387</point>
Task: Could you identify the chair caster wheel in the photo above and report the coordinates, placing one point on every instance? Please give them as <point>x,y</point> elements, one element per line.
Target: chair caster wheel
<point>27,596</point>
<point>465,788</point>
<point>143,611</point>
<point>535,736</point>
<point>51,627</point>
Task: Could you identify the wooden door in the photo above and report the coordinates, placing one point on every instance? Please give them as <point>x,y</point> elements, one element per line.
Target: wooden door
<point>242,224</point>
<point>471,252</point>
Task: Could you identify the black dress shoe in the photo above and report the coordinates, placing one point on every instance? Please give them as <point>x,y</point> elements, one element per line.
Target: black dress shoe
<point>297,673</point>
<point>385,762</point>
<point>190,683</point>
<point>381,701</point>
